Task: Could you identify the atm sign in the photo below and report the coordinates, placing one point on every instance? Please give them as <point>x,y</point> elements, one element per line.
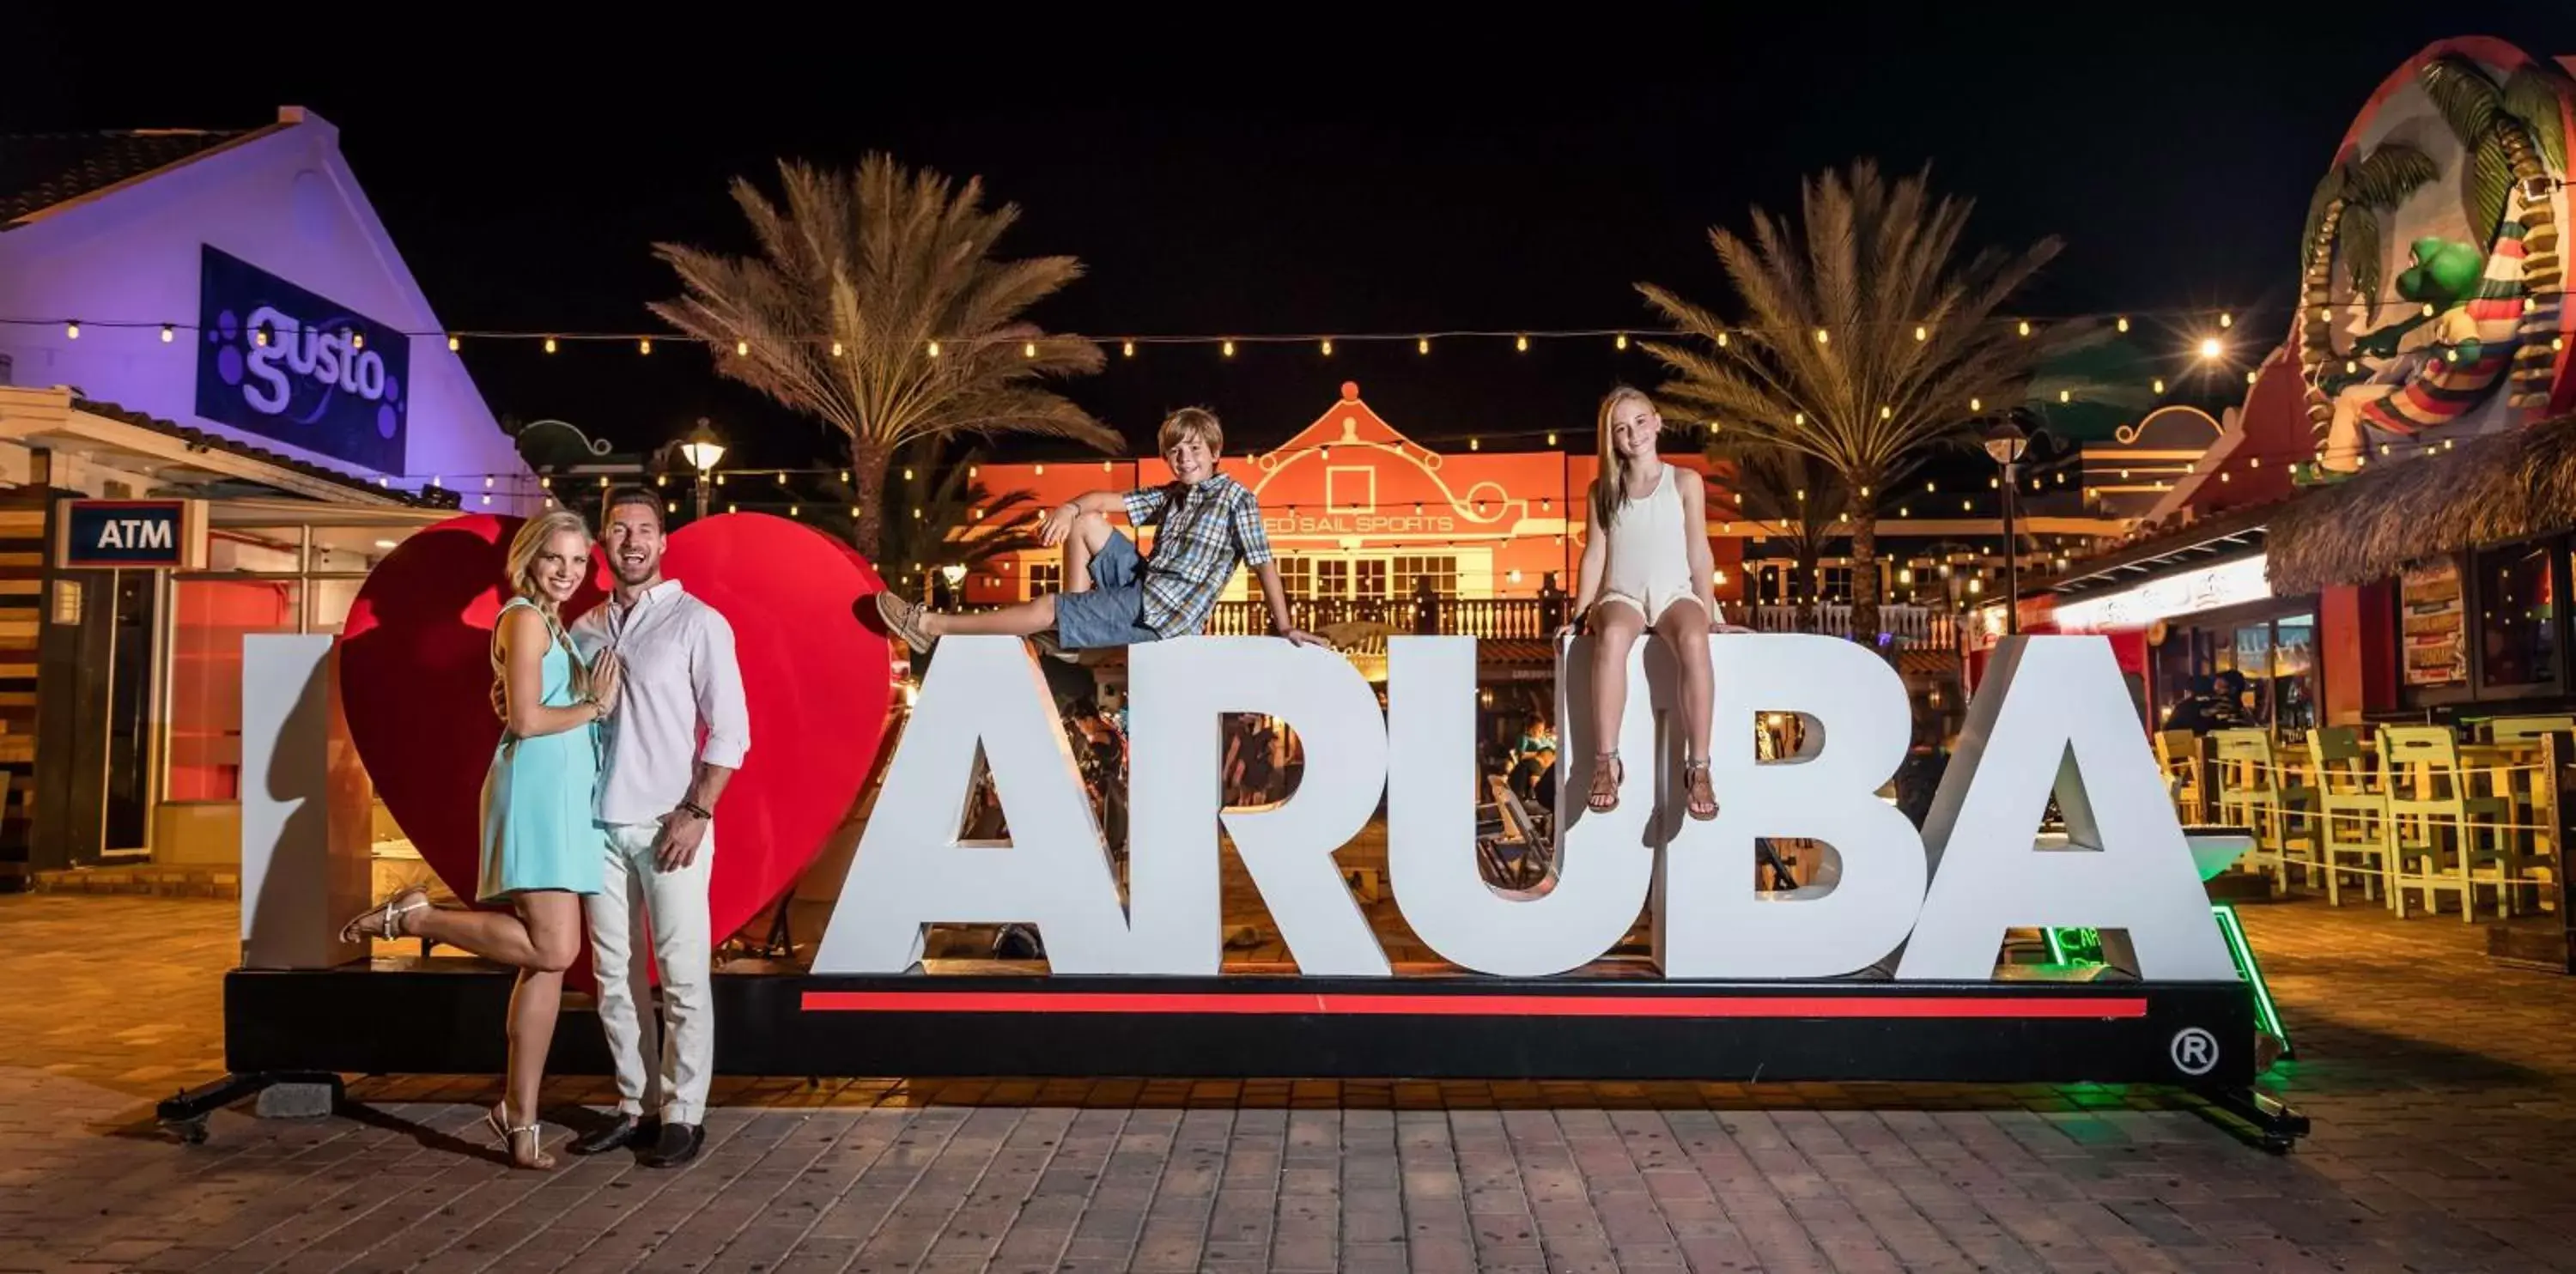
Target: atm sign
<point>132,535</point>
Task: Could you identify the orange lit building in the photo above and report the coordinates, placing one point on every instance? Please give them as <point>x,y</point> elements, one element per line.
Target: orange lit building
<point>1359,513</point>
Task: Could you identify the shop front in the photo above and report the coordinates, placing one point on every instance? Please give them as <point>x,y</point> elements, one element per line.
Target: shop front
<point>235,357</point>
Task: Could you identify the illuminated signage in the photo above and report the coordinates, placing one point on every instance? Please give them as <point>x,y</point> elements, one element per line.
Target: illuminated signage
<point>2188,592</point>
<point>131,535</point>
<point>284,363</point>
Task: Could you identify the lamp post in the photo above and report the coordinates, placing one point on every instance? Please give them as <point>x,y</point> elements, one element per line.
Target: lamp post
<point>702,451</point>
<point>2005,441</point>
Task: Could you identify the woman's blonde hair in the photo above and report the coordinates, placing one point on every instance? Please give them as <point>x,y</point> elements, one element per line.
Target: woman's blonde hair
<point>531,541</point>
<point>1611,482</point>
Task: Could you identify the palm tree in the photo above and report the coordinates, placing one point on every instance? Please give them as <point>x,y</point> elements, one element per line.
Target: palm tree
<point>1791,495</point>
<point>1865,338</point>
<point>876,304</point>
<point>936,514</point>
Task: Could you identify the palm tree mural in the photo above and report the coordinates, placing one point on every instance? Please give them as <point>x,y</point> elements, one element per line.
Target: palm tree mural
<point>1866,338</point>
<point>876,305</point>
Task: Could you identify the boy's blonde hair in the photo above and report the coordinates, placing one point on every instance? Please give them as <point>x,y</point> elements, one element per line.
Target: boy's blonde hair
<point>1191,422</point>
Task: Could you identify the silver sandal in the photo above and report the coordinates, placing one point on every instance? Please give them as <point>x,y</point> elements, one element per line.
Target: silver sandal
<point>385,917</point>
<point>498,1120</point>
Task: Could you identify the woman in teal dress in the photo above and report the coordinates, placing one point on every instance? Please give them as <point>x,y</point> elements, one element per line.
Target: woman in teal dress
<point>542,848</point>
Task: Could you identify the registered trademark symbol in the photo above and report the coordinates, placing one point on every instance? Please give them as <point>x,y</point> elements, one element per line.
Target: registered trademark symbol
<point>2195,1051</point>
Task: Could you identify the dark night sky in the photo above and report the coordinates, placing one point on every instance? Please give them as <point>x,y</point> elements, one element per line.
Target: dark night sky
<point>1314,173</point>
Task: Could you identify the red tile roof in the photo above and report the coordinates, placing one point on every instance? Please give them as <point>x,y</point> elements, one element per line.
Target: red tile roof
<point>38,171</point>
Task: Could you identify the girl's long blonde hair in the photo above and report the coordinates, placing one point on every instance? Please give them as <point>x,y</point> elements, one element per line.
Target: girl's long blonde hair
<point>525,547</point>
<point>531,541</point>
<point>1610,484</point>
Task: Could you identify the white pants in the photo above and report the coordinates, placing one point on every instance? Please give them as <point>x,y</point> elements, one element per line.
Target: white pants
<point>656,1071</point>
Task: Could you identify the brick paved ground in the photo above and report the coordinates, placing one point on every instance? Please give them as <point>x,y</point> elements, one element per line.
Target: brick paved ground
<point>2444,1092</point>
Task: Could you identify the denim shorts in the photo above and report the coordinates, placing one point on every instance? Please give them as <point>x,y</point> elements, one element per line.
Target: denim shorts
<point>1112,613</point>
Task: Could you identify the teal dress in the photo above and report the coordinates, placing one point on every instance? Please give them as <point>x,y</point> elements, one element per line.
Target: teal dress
<point>538,827</point>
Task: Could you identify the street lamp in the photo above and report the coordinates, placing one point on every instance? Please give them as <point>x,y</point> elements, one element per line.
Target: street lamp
<point>2005,441</point>
<point>702,451</point>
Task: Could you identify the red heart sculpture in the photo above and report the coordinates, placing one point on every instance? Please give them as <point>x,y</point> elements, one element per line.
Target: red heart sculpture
<point>416,676</point>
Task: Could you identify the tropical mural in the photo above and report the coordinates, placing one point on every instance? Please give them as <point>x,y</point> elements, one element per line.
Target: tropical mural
<point>2432,305</point>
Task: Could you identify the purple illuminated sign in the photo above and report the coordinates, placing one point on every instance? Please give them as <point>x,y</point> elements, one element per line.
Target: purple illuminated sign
<point>287,364</point>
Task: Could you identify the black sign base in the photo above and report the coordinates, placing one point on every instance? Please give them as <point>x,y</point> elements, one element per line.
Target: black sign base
<point>444,1017</point>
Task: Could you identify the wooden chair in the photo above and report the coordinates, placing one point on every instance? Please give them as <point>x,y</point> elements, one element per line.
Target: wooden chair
<point>2178,755</point>
<point>2354,832</point>
<point>2255,792</point>
<point>2532,791</point>
<point>2524,729</point>
<point>2444,833</point>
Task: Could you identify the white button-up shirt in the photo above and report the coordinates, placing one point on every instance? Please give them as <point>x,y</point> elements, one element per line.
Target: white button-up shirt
<point>680,675</point>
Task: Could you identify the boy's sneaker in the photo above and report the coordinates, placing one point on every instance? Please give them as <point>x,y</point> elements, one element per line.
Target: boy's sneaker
<point>903,619</point>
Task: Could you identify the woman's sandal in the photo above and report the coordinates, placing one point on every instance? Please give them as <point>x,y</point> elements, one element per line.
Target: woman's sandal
<point>384,920</point>
<point>498,1120</point>
<point>1702,796</point>
<point>1607,774</point>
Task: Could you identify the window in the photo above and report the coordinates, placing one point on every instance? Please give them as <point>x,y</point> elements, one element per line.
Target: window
<point>2517,617</point>
<point>1045,577</point>
<point>1333,577</point>
<point>1368,577</point>
<point>1440,569</point>
<point>1296,575</point>
<point>1838,583</point>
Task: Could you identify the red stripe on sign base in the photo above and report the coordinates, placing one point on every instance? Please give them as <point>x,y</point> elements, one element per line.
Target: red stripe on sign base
<point>1581,1005</point>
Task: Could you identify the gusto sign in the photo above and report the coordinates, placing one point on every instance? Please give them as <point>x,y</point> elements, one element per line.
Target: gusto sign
<point>288,364</point>
<point>2052,718</point>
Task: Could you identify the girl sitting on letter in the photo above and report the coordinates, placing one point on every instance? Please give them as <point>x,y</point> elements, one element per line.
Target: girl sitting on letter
<point>1646,563</point>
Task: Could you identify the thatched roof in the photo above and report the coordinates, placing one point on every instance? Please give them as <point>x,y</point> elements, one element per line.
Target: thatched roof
<point>2490,490</point>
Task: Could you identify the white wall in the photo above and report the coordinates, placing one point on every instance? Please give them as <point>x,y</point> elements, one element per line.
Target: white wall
<point>285,203</point>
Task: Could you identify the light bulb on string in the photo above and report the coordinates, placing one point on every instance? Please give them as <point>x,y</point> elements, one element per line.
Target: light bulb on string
<point>451,344</point>
<point>1922,333</point>
<point>71,330</point>
<point>168,334</point>
<point>934,349</point>
<point>1229,349</point>
<point>1029,349</point>
<point>742,349</point>
<point>2124,322</point>
<point>2025,327</point>
<point>2066,395</point>
<point>1328,347</point>
<point>644,346</point>
<point>2160,384</point>
<point>836,349</point>
<point>1521,344</point>
<point>1422,345</point>
<point>1721,339</point>
<point>2226,319</point>
<point>1622,342</point>
<point>1127,349</point>
<point>550,345</point>
<point>1823,337</point>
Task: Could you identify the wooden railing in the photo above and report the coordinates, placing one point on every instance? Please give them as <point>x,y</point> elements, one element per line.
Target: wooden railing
<point>1531,618</point>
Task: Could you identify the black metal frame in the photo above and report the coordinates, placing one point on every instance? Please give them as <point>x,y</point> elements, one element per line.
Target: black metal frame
<point>1612,1022</point>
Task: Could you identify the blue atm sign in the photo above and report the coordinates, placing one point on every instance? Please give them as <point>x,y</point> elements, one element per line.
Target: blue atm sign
<point>132,535</point>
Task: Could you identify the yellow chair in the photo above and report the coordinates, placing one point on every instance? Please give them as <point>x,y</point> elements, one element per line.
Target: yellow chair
<point>2178,755</point>
<point>2354,832</point>
<point>2524,729</point>
<point>2445,834</point>
<point>2255,792</point>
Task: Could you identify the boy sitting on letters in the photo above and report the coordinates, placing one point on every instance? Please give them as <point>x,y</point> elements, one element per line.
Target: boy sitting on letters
<point>1205,523</point>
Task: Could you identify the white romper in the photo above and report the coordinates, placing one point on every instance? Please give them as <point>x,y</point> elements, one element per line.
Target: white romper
<point>1650,552</point>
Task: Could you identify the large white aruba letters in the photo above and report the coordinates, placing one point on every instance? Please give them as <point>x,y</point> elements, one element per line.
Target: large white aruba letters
<point>1861,901</point>
<point>2053,715</point>
<point>912,869</point>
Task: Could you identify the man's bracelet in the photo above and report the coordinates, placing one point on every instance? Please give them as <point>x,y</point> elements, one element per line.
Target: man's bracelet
<point>700,811</point>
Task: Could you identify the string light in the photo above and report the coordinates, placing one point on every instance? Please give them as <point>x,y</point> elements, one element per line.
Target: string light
<point>1127,349</point>
<point>1721,340</point>
<point>1520,345</point>
<point>1623,341</point>
<point>1328,347</point>
<point>1823,337</point>
<point>550,345</point>
<point>836,349</point>
<point>71,330</point>
<point>2160,385</point>
<point>1229,349</point>
<point>2025,327</point>
<point>452,344</point>
<point>1422,345</point>
<point>1921,333</point>
<point>2124,322</point>
<point>1551,440</point>
<point>356,340</point>
<point>168,334</point>
<point>934,349</point>
<point>1976,404</point>
<point>742,349</point>
<point>1029,350</point>
<point>644,346</point>
<point>2066,395</point>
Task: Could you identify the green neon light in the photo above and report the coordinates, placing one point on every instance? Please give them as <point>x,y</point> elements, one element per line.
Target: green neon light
<point>2084,946</point>
<point>2243,953</point>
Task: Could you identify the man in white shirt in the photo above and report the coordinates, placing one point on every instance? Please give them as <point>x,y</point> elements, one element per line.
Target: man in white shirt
<point>658,787</point>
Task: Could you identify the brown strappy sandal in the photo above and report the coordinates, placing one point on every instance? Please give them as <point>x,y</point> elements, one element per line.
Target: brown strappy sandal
<point>1703,796</point>
<point>1605,796</point>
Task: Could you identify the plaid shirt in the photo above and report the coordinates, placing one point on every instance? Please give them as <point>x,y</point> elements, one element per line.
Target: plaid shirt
<point>1200,534</point>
